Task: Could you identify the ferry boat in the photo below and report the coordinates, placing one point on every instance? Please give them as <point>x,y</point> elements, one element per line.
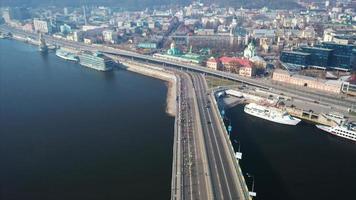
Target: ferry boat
<point>95,61</point>
<point>66,55</point>
<point>271,114</point>
<point>346,130</point>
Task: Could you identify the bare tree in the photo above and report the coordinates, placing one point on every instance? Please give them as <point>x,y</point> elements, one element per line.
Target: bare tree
<point>234,66</point>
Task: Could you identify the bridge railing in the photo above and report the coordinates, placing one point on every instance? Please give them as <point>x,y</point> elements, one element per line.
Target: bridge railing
<point>240,176</point>
<point>176,185</point>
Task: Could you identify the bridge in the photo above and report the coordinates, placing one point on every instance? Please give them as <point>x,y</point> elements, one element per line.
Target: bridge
<point>204,162</point>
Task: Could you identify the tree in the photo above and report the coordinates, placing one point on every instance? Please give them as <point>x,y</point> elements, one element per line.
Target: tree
<point>234,66</point>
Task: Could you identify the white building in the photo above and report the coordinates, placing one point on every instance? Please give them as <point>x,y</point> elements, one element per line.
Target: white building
<point>42,26</point>
<point>204,32</point>
<point>78,36</point>
<point>308,32</point>
<point>109,36</point>
<point>6,16</point>
<point>250,51</point>
<point>329,35</point>
<point>213,63</point>
<point>90,27</point>
<point>152,24</point>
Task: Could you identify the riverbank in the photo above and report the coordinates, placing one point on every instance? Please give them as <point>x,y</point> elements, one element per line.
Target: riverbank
<point>79,133</point>
<point>144,69</point>
<point>152,71</point>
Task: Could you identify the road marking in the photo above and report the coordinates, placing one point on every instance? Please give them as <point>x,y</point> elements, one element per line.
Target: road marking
<point>212,154</point>
<point>214,135</point>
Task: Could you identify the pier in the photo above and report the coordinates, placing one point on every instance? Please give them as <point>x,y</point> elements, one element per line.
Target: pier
<point>307,115</point>
<point>311,111</point>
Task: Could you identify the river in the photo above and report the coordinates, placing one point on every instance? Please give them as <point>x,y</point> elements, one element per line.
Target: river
<point>70,132</point>
<point>293,162</point>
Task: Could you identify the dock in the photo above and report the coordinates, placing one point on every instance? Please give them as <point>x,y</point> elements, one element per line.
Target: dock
<point>310,111</point>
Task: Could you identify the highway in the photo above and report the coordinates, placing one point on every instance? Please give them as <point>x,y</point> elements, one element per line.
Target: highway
<point>333,99</point>
<point>225,180</point>
<point>205,165</point>
<point>192,170</point>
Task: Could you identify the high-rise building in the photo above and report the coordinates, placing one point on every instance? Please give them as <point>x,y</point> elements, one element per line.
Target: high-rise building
<point>318,56</point>
<point>326,55</point>
<point>341,56</point>
<point>6,16</point>
<point>65,11</point>
<point>295,57</point>
<point>42,26</point>
<point>19,13</point>
<point>78,36</point>
<point>15,13</point>
<point>85,16</point>
<point>353,61</point>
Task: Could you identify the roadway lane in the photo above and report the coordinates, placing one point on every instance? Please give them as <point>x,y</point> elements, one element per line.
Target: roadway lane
<point>195,182</point>
<point>225,182</point>
<point>191,186</point>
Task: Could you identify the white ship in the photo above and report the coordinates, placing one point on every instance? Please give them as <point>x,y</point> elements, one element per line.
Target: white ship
<point>271,114</point>
<point>66,55</point>
<point>96,61</point>
<point>347,131</point>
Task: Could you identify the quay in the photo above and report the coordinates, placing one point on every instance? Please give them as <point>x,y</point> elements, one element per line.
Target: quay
<point>308,115</point>
<point>311,111</point>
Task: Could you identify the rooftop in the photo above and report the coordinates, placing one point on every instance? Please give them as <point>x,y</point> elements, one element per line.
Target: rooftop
<point>295,75</point>
<point>317,48</point>
<point>297,52</point>
<point>242,61</point>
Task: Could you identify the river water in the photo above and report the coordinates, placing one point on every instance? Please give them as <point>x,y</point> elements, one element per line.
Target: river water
<point>293,162</point>
<point>69,132</point>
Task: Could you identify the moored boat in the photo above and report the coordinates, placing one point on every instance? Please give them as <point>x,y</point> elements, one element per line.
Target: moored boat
<point>271,114</point>
<point>346,130</point>
<point>66,55</point>
<point>95,60</point>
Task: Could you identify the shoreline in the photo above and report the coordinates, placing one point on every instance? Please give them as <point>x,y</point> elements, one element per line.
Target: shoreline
<point>169,78</point>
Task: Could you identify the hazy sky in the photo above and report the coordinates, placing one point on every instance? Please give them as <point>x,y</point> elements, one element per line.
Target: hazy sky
<point>139,4</point>
<point>80,2</point>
